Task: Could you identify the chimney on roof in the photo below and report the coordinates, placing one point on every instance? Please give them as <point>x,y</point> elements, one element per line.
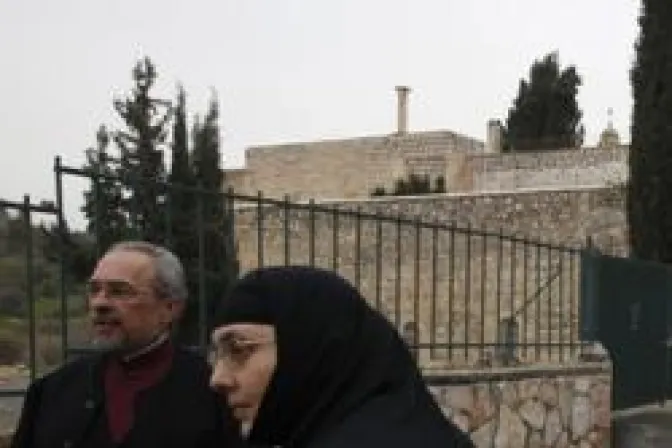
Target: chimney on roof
<point>494,137</point>
<point>402,109</point>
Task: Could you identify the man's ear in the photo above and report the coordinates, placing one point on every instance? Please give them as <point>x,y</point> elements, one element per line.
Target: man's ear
<point>176,308</point>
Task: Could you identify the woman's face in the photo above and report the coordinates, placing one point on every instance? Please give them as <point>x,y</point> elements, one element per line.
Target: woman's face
<point>243,358</point>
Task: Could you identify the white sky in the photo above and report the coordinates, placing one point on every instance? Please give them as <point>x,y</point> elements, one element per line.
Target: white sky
<point>289,70</point>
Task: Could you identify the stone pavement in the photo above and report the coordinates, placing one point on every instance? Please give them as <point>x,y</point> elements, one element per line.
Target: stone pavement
<point>647,427</point>
<point>10,407</point>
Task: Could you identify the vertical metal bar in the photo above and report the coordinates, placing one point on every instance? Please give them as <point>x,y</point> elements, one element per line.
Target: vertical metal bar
<point>30,289</point>
<point>572,303</point>
<point>526,246</point>
<point>498,285</point>
<point>433,310</point>
<point>231,233</point>
<point>549,285</point>
<point>416,284</point>
<point>512,286</point>
<point>334,239</point>
<point>397,276</point>
<point>484,285</point>
<point>137,218</point>
<point>451,287</point>
<point>612,245</point>
<point>285,227</point>
<point>202,305</point>
<point>58,171</point>
<point>379,262</point>
<point>170,190</point>
<point>537,298</point>
<point>561,339</point>
<point>358,246</point>
<point>97,227</point>
<point>467,291</point>
<point>260,229</point>
<point>311,232</point>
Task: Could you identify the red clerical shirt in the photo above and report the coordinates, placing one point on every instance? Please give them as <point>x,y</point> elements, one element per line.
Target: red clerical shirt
<point>125,379</point>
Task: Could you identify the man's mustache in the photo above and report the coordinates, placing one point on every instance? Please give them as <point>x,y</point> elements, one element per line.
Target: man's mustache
<point>104,315</point>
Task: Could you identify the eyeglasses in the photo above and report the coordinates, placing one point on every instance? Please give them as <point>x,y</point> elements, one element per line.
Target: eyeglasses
<point>115,290</point>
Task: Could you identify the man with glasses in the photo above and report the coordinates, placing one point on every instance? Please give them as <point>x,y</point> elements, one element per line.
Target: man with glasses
<point>139,389</point>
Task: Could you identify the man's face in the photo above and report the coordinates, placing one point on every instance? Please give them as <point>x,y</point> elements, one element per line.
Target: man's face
<point>124,309</point>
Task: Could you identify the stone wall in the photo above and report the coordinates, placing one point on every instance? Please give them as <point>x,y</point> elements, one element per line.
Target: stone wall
<point>440,268</point>
<point>533,407</point>
<point>349,168</point>
<point>578,168</point>
<point>554,407</point>
<point>353,168</point>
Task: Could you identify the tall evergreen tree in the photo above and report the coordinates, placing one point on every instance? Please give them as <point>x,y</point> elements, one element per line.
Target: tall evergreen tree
<point>545,114</point>
<point>141,145</point>
<point>212,221</point>
<point>649,193</point>
<point>180,205</point>
<point>104,202</point>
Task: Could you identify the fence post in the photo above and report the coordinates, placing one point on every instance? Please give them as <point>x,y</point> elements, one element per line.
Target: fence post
<point>30,290</point>
<point>58,172</point>
<point>202,297</point>
<point>508,340</point>
<point>260,229</point>
<point>589,293</point>
<point>286,230</point>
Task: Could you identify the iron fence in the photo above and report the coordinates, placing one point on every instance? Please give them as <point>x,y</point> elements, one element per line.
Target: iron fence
<point>26,333</point>
<point>460,295</point>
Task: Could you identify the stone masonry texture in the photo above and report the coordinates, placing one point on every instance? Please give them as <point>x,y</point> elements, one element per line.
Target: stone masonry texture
<point>531,407</point>
<point>448,284</point>
<point>352,168</point>
<point>347,168</point>
<point>560,409</point>
<point>440,267</point>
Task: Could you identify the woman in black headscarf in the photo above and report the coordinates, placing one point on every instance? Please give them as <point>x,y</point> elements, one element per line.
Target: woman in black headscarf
<point>305,362</point>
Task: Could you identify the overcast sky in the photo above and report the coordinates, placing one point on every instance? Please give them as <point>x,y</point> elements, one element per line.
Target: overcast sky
<point>292,70</point>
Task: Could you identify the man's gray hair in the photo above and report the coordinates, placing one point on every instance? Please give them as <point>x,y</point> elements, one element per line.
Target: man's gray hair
<point>170,280</point>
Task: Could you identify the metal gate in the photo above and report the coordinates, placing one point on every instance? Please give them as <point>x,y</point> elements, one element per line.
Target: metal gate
<point>627,308</point>
<point>19,327</point>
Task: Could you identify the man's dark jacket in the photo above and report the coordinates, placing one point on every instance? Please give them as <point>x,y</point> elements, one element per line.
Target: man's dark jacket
<point>66,409</point>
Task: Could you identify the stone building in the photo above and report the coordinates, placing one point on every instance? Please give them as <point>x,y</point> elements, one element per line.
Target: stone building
<point>353,168</point>
<point>449,285</point>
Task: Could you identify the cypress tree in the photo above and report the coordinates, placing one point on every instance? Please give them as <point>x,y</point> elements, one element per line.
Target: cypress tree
<point>649,192</point>
<point>180,202</point>
<point>216,223</point>
<point>545,114</point>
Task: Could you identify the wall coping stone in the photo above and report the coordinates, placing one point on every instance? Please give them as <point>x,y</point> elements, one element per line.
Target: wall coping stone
<point>452,195</point>
<point>495,374</point>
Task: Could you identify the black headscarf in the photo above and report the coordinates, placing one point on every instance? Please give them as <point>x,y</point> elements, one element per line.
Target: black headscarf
<point>344,377</point>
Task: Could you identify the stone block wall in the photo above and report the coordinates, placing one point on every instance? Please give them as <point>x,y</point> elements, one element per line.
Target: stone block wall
<point>440,269</point>
<point>533,407</point>
<point>575,167</point>
<point>348,168</point>
<point>353,168</point>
